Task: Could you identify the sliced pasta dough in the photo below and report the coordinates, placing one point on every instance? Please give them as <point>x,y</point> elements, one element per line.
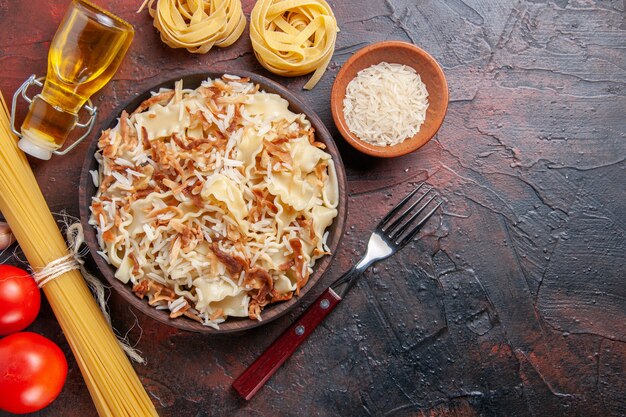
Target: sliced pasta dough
<point>162,121</point>
<point>225,190</point>
<point>269,107</point>
<point>296,192</point>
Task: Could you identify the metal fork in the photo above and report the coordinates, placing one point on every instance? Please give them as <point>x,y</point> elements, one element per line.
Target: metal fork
<point>392,233</point>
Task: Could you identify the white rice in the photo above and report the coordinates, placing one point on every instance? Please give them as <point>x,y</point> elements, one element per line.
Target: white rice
<point>385,104</point>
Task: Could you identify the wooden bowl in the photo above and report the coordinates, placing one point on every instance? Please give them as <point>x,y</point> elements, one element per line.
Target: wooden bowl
<point>400,53</point>
<point>232,324</point>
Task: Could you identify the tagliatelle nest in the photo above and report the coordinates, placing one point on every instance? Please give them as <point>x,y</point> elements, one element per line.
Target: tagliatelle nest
<point>213,202</point>
<point>197,25</point>
<point>294,37</point>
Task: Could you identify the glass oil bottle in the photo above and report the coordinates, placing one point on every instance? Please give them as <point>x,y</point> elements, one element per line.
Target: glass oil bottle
<point>86,51</point>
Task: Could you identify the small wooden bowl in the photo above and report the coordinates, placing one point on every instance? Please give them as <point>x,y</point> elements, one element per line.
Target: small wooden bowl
<point>233,324</point>
<point>400,53</point>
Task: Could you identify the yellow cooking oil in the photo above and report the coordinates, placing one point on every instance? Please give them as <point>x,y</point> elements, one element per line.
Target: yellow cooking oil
<point>85,52</point>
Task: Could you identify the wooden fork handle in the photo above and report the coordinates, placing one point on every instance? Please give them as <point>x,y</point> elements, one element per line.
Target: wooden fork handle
<point>253,378</point>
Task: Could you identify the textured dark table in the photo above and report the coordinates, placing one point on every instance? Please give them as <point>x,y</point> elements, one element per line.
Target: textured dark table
<point>514,301</point>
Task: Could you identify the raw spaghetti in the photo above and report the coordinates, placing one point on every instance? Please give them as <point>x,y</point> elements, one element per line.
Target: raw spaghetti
<point>197,25</point>
<point>294,37</point>
<point>111,380</point>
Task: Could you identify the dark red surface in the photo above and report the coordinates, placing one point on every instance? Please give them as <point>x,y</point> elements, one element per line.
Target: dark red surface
<point>252,379</point>
<point>513,302</point>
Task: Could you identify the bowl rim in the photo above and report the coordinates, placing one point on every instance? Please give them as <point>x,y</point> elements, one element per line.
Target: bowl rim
<point>338,93</point>
<point>233,324</point>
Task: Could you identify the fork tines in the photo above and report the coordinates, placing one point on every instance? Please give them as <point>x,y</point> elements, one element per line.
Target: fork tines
<point>406,225</point>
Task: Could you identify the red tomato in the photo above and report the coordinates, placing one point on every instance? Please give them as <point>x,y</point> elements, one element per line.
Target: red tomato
<point>32,372</point>
<point>19,299</point>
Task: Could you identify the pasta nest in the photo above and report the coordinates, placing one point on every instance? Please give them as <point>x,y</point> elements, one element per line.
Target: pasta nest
<point>197,25</point>
<point>294,37</point>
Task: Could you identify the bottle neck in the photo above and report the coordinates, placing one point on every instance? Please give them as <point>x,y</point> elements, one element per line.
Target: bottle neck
<point>62,98</point>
